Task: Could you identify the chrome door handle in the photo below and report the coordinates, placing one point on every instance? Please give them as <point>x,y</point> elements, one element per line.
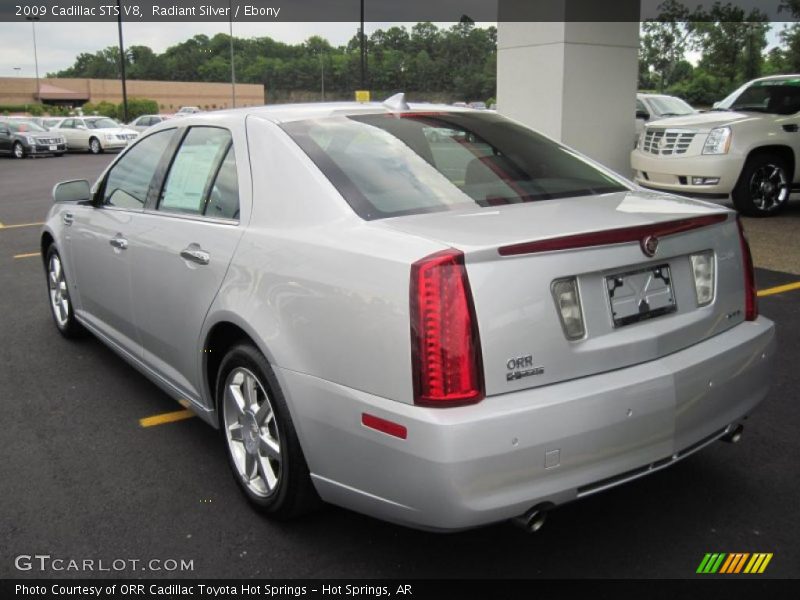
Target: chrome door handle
<point>196,255</point>
<point>119,242</point>
<point>67,218</point>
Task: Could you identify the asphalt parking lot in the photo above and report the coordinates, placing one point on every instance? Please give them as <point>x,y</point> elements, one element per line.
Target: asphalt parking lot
<point>82,478</point>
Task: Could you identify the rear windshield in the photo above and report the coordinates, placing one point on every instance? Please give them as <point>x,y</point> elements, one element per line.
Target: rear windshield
<point>387,165</point>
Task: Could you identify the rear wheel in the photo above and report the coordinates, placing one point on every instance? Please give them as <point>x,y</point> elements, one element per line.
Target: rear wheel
<point>262,446</point>
<point>18,151</point>
<point>763,187</point>
<point>60,300</point>
<point>94,146</point>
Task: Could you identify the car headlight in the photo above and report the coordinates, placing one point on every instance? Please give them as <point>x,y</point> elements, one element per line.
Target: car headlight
<point>31,140</point>
<point>718,141</point>
<point>110,137</point>
<point>640,139</point>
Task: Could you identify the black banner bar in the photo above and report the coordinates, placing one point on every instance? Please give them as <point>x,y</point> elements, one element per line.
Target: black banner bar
<point>379,10</point>
<point>706,587</point>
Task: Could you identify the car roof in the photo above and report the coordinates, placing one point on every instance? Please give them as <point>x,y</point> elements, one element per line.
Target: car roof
<point>774,78</point>
<point>284,113</point>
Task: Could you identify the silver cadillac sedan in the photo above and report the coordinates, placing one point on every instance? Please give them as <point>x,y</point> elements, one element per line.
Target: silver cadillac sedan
<point>442,331</point>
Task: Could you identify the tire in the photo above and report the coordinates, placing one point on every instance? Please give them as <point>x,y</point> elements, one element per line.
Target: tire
<point>764,186</point>
<point>94,146</point>
<point>18,151</point>
<point>260,440</point>
<point>58,293</point>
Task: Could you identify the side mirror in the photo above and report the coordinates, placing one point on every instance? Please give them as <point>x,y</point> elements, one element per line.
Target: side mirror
<point>80,127</point>
<point>72,191</point>
<point>642,114</point>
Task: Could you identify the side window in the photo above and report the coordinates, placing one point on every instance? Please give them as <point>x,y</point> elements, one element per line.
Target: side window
<point>68,124</point>
<point>194,170</point>
<point>223,201</point>
<point>128,182</point>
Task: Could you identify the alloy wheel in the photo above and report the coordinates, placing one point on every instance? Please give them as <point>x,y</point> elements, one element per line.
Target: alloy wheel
<point>769,187</point>
<point>251,431</point>
<point>59,294</point>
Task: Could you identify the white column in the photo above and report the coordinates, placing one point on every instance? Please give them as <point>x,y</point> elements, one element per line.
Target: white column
<point>573,81</point>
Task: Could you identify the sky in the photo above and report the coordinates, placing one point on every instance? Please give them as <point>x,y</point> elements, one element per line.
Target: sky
<point>58,44</point>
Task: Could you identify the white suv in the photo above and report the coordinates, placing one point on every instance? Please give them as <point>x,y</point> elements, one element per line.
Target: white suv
<point>745,147</point>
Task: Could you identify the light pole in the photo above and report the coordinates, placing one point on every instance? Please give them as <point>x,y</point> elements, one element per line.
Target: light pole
<point>233,66</point>
<point>322,69</point>
<point>35,56</point>
<point>122,64</point>
<point>363,50</point>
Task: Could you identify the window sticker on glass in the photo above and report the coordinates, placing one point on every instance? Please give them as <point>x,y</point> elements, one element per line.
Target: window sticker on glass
<point>195,164</point>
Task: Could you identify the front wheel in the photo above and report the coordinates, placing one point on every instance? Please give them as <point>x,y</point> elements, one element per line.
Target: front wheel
<point>60,300</point>
<point>764,186</point>
<point>262,446</point>
<point>18,151</point>
<point>94,146</point>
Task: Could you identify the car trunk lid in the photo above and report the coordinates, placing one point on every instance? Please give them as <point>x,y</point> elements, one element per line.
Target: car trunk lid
<point>515,253</point>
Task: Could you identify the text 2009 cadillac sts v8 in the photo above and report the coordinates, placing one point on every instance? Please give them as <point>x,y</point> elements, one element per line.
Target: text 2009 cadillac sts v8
<point>441,331</point>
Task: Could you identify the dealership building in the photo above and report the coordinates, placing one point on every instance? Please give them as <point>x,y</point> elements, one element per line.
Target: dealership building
<point>170,95</point>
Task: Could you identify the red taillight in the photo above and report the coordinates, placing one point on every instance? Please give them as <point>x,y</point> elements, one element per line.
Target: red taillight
<point>750,292</point>
<point>445,347</point>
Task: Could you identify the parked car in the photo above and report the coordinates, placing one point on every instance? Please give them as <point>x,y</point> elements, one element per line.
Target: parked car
<point>21,138</point>
<point>438,348</point>
<point>94,134</point>
<point>651,107</point>
<point>744,148</point>
<point>50,122</point>
<point>146,121</point>
<point>187,110</point>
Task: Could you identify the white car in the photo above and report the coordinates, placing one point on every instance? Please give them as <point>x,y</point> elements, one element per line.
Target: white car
<point>94,134</point>
<point>442,335</point>
<point>144,122</point>
<point>188,110</point>
<point>745,148</point>
<point>651,107</point>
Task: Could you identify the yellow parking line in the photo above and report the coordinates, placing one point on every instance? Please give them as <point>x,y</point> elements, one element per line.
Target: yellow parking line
<point>779,289</point>
<point>170,417</point>
<point>29,255</point>
<point>20,225</point>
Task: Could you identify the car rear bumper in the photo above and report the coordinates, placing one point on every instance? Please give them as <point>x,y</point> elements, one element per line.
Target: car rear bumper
<point>674,174</point>
<point>473,465</point>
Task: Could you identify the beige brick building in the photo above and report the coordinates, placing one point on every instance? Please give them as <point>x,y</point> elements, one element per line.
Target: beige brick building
<point>170,95</point>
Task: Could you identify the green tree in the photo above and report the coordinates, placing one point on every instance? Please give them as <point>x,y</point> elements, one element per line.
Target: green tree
<point>732,41</point>
<point>664,42</point>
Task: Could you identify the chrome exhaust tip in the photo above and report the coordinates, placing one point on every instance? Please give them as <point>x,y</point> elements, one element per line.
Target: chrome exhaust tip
<point>734,436</point>
<point>533,519</point>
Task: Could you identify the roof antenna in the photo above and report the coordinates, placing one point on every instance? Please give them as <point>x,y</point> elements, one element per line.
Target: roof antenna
<point>397,102</point>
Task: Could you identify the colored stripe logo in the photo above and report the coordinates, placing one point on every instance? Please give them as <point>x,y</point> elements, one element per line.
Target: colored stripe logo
<point>734,563</point>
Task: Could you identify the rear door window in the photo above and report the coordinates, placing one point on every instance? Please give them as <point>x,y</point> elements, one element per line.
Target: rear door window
<point>202,173</point>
